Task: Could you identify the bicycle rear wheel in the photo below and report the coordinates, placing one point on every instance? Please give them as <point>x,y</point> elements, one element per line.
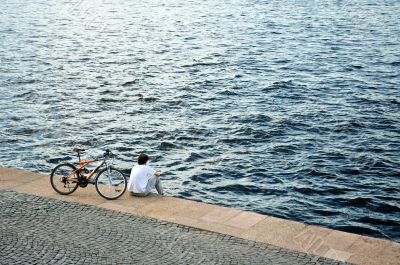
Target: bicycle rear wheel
<point>64,179</point>
<point>110,184</point>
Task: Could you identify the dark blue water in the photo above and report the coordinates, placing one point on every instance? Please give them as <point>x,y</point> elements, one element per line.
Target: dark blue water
<point>287,108</point>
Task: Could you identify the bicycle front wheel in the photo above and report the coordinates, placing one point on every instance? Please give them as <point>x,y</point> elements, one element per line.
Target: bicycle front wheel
<point>64,179</point>
<point>110,184</point>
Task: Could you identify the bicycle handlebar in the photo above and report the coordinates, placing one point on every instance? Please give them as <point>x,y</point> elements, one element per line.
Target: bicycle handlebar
<point>108,153</point>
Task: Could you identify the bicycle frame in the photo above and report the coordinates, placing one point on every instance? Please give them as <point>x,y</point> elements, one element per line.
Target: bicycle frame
<point>84,163</point>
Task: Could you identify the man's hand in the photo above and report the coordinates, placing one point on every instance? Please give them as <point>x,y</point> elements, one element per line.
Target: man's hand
<point>157,174</point>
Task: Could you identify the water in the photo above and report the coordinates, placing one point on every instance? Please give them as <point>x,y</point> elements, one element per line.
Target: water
<point>287,108</point>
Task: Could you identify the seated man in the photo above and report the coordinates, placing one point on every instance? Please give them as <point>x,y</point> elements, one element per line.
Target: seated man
<point>143,178</point>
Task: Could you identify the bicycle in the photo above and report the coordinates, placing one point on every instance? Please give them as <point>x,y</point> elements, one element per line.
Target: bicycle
<point>110,182</point>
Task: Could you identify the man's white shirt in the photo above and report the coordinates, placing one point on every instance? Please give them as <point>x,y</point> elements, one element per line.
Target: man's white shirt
<point>140,175</point>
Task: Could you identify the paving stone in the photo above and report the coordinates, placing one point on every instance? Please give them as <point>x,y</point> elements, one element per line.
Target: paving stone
<point>39,230</point>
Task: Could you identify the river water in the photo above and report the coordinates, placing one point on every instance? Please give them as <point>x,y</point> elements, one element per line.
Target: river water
<point>287,108</point>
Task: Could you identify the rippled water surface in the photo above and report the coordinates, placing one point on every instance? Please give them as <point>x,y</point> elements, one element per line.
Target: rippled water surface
<point>287,108</point>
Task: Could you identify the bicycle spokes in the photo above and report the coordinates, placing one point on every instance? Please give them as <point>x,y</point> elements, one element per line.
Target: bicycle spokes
<point>64,179</point>
<point>111,183</point>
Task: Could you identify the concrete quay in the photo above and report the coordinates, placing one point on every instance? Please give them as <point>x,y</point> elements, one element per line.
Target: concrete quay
<point>297,243</point>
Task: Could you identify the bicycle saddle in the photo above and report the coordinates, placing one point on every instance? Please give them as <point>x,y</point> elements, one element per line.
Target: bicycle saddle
<point>77,150</point>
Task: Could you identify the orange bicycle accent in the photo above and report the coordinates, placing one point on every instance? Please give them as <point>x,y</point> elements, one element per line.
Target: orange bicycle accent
<point>82,166</point>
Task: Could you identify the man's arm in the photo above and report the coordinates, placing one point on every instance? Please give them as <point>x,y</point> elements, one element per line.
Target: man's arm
<point>153,172</point>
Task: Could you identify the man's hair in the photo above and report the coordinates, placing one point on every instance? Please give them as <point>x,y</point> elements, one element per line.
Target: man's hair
<point>142,159</point>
